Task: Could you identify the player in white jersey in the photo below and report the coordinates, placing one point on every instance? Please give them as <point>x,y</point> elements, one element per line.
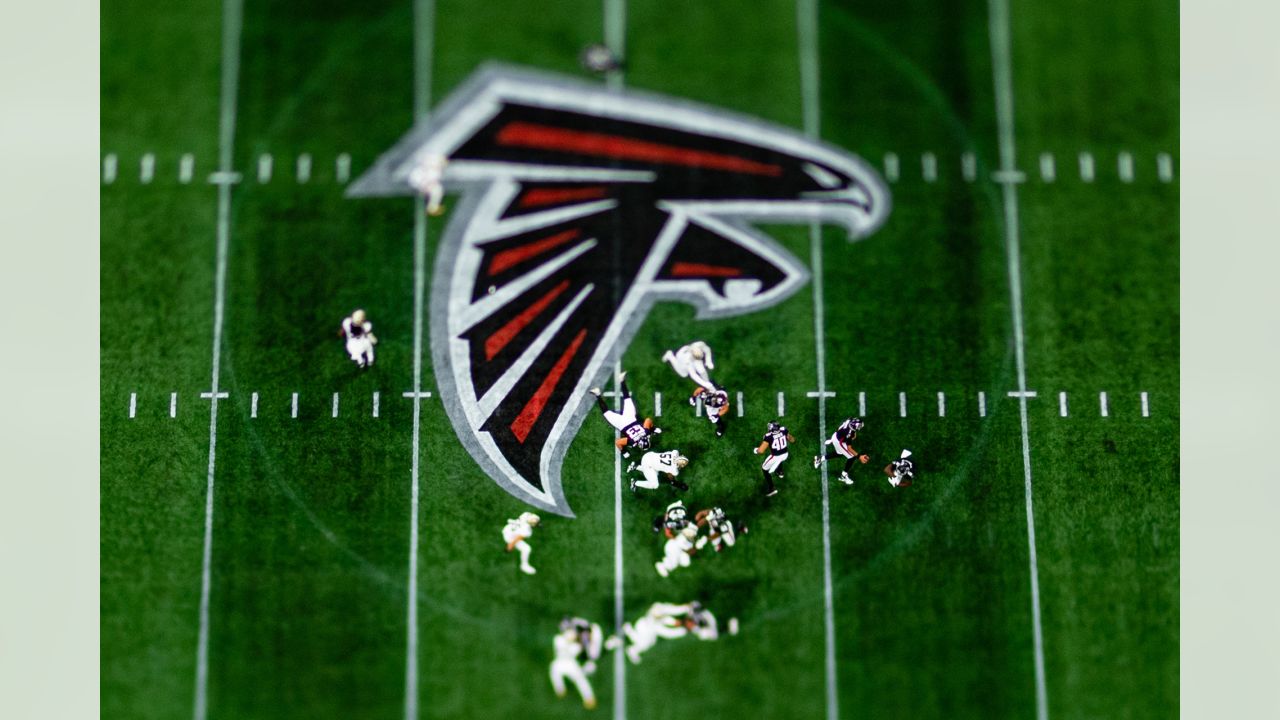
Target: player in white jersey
<point>692,361</point>
<point>569,643</point>
<point>515,533</point>
<point>902,471</point>
<point>677,551</point>
<point>427,177</point>
<point>656,464</point>
<point>636,433</point>
<point>776,442</point>
<point>358,332</point>
<point>661,620</point>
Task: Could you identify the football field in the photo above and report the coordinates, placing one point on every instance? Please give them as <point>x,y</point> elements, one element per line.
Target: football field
<point>284,535</point>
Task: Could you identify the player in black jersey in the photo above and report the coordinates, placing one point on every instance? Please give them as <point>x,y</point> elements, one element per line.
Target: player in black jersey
<point>841,441</point>
<point>639,434</point>
<point>716,403</point>
<point>776,441</point>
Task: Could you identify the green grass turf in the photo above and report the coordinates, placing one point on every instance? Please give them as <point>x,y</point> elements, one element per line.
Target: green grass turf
<point>932,596</point>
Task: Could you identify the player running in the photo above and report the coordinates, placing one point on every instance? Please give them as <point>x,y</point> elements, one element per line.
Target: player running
<point>840,442</point>
<point>360,338</point>
<point>716,403</point>
<point>634,432</point>
<point>514,534</point>
<point>427,177</point>
<point>777,441</point>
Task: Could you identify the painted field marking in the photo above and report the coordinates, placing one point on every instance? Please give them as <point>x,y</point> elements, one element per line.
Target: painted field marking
<point>1022,393</point>
<point>264,168</point>
<point>1124,166</point>
<point>969,166</point>
<point>902,404</point>
<point>1086,167</point>
<point>942,405</point>
<point>982,404</point>
<point>740,404</point>
<point>929,167</point>
<point>1062,404</point>
<point>147,168</point>
<point>1164,166</point>
<point>1145,408</point>
<point>862,403</point>
<point>133,405</point>
<point>417,395</point>
<point>1048,168</point>
<point>335,405</point>
<point>253,406</point>
<point>342,168</point>
<point>1009,177</point>
<point>891,167</point>
<point>293,406</point>
<point>375,403</point>
<point>1102,403</point>
<point>212,395</point>
<point>225,178</point>
<point>782,405</point>
<point>657,404</point>
<point>819,394</point>
<point>697,407</point>
<point>304,168</point>
<point>109,168</point>
<point>173,405</point>
<point>1002,79</point>
<point>186,168</point>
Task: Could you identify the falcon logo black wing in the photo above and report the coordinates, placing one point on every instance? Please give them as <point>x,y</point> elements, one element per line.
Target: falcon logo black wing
<point>580,208</point>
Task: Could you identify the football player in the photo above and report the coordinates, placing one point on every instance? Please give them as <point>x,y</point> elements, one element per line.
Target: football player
<point>568,644</point>
<point>634,432</point>
<point>427,177</point>
<point>840,442</point>
<point>716,403</point>
<point>901,471</point>
<point>360,338</point>
<point>671,522</point>
<point>678,550</point>
<point>515,533</point>
<point>655,465</point>
<point>692,361</point>
<point>776,441</point>
<point>719,528</point>
<point>661,620</point>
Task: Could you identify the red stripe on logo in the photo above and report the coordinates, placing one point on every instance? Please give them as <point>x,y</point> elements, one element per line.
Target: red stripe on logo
<point>499,339</point>
<point>514,256</point>
<point>687,269</point>
<point>533,409</point>
<point>552,196</point>
<point>542,137</point>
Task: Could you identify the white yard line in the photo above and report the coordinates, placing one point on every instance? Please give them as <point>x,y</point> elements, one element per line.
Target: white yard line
<point>782,404</point>
<point>173,405</point>
<point>942,405</point>
<point>293,406</point>
<point>1164,166</point>
<point>862,403</point>
<point>253,406</point>
<point>1086,167</point>
<point>929,167</point>
<point>807,40</point>
<point>1124,167</point>
<point>890,163</point>
<point>232,11</point>
<point>109,164</point>
<point>342,168</point>
<point>741,405</point>
<point>1002,71</point>
<point>657,404</point>
<point>902,404</point>
<point>335,405</point>
<point>424,12</point>
<point>969,166</point>
<point>1102,403</point>
<point>186,168</point>
<point>264,168</point>
<point>147,168</point>
<point>303,172</point>
<point>1048,169</point>
<point>133,405</point>
<point>1062,404</point>
<point>1145,408</point>
<point>376,397</point>
<point>982,404</point>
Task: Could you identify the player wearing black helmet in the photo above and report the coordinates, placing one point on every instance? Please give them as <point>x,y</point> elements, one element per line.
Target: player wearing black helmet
<point>776,441</point>
<point>841,446</point>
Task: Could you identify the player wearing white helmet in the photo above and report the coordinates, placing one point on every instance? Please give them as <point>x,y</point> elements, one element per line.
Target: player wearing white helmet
<point>902,471</point>
<point>677,551</point>
<point>673,520</point>
<point>692,361</point>
<point>515,533</point>
<point>656,466</point>
<point>776,441</point>
<point>841,443</point>
<point>427,177</point>
<point>719,528</point>
<point>358,332</point>
<point>568,645</point>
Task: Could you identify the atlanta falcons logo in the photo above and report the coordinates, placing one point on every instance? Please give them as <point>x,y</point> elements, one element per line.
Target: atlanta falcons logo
<point>580,208</point>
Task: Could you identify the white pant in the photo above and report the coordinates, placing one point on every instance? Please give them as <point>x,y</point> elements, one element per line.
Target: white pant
<point>645,632</point>
<point>561,669</point>
<point>683,362</point>
<point>675,554</point>
<point>773,462</point>
<point>361,350</point>
<point>650,465</point>
<point>624,418</point>
<point>840,447</point>
<point>523,548</point>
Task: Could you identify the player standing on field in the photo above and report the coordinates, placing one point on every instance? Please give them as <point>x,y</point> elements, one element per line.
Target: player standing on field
<point>840,442</point>
<point>776,441</point>
<point>360,338</point>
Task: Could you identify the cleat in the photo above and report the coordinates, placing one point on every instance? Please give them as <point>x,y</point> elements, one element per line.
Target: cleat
<point>844,478</point>
<point>631,466</point>
<point>657,431</point>
<point>528,570</point>
<point>595,391</point>
<point>771,493</point>
<point>622,377</point>
<point>817,461</point>
<point>662,570</point>
<point>633,483</point>
<point>668,357</point>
